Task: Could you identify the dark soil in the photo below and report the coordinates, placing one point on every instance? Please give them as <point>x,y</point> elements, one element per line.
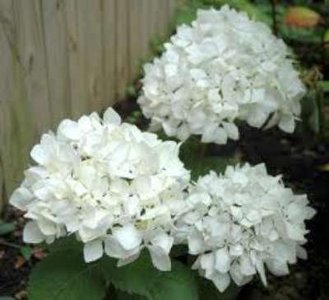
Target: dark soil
<point>299,157</point>
<point>14,269</point>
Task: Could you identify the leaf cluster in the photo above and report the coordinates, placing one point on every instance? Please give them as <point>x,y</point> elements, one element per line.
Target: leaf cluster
<point>63,275</point>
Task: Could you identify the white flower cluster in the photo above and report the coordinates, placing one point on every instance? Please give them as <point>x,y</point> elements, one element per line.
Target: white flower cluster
<point>116,188</point>
<point>242,221</point>
<point>223,68</point>
<point>120,190</point>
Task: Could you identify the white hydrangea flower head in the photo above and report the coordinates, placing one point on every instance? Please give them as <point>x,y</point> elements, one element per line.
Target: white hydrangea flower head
<point>116,188</point>
<point>242,221</point>
<point>223,68</point>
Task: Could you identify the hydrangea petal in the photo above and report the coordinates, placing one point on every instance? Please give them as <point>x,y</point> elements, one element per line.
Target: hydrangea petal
<point>128,237</point>
<point>160,258</point>
<point>93,250</point>
<point>32,234</point>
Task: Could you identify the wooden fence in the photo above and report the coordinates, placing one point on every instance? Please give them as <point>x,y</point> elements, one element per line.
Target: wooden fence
<point>64,58</point>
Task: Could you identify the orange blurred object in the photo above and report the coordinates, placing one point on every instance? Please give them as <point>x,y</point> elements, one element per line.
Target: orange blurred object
<point>39,253</point>
<point>20,262</point>
<point>303,17</point>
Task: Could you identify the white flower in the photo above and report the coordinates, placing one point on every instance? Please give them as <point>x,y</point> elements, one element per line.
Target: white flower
<point>223,68</point>
<point>116,188</point>
<point>242,221</point>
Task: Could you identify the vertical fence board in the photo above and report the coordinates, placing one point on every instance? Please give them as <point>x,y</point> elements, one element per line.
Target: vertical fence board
<point>161,14</point>
<point>16,134</point>
<point>154,23</point>
<point>78,98</point>
<point>90,33</point>
<point>144,30</point>
<point>122,46</point>
<point>5,64</point>
<point>166,17</point>
<point>136,48</point>
<point>31,50</point>
<point>109,51</point>
<point>56,59</point>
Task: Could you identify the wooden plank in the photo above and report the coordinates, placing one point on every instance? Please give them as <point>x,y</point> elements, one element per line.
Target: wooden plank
<point>160,14</point>
<point>122,47</point>
<point>90,36</point>
<point>109,50</point>
<point>4,95</point>
<point>21,131</point>
<point>78,98</point>
<point>170,18</point>
<point>135,45</point>
<point>166,18</point>
<point>3,197</point>
<point>153,20</point>
<point>144,29</point>
<point>148,25</point>
<point>173,4</point>
<point>16,127</point>
<point>31,49</point>
<point>56,59</point>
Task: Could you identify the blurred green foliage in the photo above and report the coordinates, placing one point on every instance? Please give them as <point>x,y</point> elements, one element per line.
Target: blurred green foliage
<point>6,228</point>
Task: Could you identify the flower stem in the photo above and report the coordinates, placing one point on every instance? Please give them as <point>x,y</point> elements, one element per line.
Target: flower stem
<point>203,150</point>
<point>8,244</point>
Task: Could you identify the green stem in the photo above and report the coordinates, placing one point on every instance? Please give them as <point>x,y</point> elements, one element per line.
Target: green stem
<point>8,244</point>
<point>320,103</point>
<point>203,150</point>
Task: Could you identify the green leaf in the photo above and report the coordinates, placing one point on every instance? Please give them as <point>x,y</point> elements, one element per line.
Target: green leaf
<point>314,120</point>
<point>120,295</point>
<point>128,278</point>
<point>186,16</point>
<point>324,85</point>
<point>209,291</point>
<point>202,166</point>
<point>187,12</point>
<point>26,251</point>
<point>64,275</point>
<point>131,91</point>
<point>310,112</point>
<point>6,228</point>
<point>178,284</point>
<point>66,244</point>
<point>303,35</point>
<point>193,154</point>
<point>141,278</point>
<point>313,112</point>
<point>326,36</point>
<point>251,9</point>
